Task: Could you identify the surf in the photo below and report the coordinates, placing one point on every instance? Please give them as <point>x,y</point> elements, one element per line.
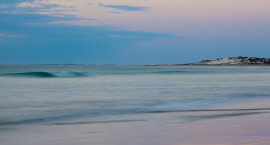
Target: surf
<point>48,74</point>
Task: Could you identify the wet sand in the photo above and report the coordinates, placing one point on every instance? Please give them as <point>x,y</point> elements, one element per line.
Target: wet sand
<point>234,124</point>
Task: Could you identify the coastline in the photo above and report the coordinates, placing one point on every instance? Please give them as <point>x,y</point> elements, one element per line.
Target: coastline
<point>217,127</point>
<point>230,61</point>
<point>251,128</point>
<point>209,65</point>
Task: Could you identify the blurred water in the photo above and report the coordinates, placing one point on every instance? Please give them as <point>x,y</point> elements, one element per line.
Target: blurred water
<point>34,94</point>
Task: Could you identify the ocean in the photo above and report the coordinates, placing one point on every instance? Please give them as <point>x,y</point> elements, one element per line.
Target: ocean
<point>78,94</point>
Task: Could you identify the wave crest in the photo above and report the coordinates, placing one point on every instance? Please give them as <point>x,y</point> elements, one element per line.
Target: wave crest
<point>48,74</point>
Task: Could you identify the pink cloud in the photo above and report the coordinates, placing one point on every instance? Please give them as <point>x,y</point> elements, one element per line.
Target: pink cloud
<point>28,4</point>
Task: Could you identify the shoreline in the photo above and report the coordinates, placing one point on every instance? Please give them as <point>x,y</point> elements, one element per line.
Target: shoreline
<point>248,128</point>
<point>208,128</point>
<point>202,65</point>
<point>206,65</point>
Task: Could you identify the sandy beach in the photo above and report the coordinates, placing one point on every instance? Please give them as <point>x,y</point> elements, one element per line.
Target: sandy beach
<point>223,125</point>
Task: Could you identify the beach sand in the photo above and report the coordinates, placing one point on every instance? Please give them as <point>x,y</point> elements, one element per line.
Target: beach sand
<point>216,127</point>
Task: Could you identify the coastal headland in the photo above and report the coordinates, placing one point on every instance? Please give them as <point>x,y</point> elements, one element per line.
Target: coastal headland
<point>229,61</point>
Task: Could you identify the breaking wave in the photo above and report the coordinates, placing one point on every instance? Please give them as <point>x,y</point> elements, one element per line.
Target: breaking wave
<point>49,74</point>
<point>88,74</point>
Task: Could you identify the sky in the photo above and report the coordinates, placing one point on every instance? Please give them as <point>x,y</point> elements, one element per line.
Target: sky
<point>132,31</point>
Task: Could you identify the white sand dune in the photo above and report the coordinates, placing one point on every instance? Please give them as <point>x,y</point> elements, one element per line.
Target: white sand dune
<point>235,61</point>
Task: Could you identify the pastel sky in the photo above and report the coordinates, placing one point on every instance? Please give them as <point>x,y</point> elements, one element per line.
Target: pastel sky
<point>132,31</point>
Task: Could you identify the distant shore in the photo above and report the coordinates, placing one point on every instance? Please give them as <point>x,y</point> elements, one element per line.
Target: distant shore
<point>211,65</point>
<point>221,62</point>
<point>230,61</point>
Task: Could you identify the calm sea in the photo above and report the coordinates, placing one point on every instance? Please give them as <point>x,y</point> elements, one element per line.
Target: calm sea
<point>51,94</point>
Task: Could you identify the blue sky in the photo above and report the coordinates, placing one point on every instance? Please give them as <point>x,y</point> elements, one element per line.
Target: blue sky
<point>132,31</point>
